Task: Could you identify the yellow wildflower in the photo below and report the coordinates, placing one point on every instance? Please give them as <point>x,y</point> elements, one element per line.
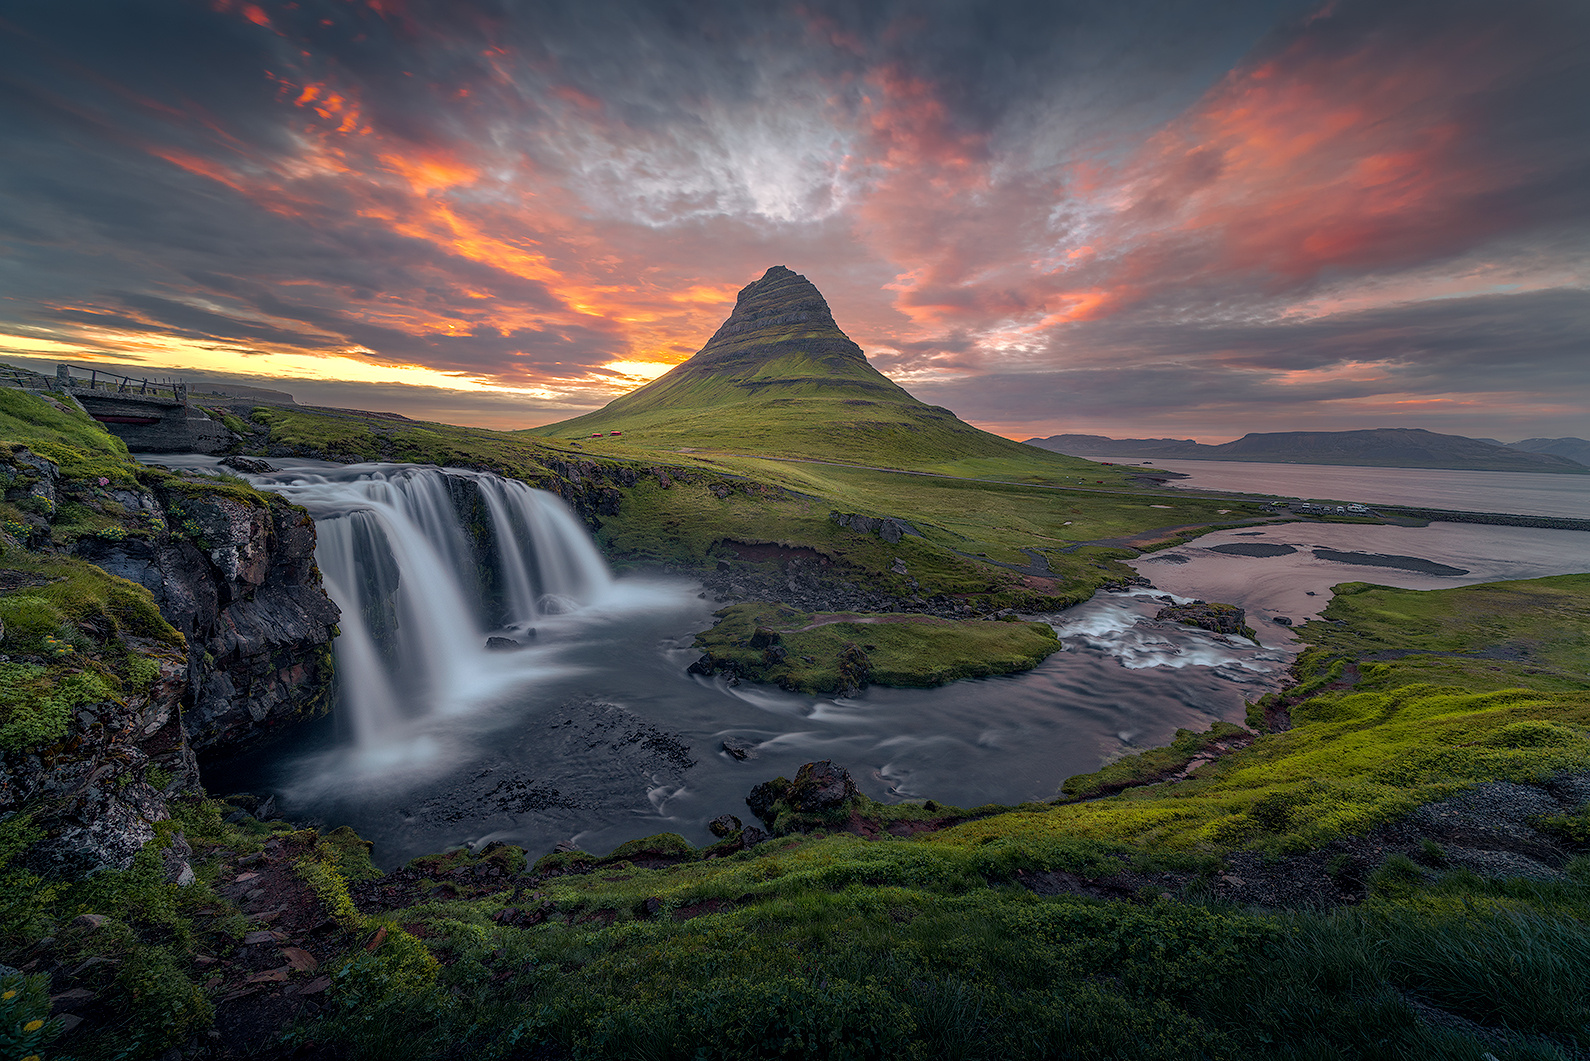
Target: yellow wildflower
<point>33,1026</point>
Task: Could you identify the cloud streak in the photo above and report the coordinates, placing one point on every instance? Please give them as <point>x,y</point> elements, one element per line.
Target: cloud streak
<point>1181,217</point>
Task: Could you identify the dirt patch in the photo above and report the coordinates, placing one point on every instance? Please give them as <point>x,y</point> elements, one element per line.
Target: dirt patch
<point>14,580</point>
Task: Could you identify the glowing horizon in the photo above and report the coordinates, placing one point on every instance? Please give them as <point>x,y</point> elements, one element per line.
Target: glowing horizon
<point>1257,216</point>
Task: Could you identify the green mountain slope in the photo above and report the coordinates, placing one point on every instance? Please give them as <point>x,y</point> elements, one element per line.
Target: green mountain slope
<point>779,378</point>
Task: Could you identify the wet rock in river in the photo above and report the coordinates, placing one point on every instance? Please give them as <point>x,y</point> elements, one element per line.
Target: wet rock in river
<point>1216,618</point>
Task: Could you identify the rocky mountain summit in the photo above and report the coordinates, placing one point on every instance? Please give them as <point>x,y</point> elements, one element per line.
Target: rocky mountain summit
<point>780,377</point>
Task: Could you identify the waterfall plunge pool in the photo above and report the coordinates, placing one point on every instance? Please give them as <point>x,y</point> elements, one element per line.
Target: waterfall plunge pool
<point>594,733</point>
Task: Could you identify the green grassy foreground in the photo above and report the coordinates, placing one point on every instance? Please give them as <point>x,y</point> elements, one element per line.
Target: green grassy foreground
<point>829,653</point>
<point>923,931</point>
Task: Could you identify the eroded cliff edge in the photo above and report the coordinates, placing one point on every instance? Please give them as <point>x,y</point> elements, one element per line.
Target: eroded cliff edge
<point>149,617</point>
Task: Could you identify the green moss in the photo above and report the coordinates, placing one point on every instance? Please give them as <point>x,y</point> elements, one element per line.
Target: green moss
<point>36,704</point>
<point>828,653</point>
<point>1154,765</point>
<point>662,845</point>
<point>1351,761</point>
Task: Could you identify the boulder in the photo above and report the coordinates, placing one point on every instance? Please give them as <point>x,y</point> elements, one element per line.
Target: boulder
<point>502,644</point>
<point>1216,618</point>
<point>252,465</point>
<point>820,786</point>
<point>763,797</point>
<point>740,750</point>
<point>723,825</point>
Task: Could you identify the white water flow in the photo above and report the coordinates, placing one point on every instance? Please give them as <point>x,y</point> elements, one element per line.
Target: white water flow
<point>427,564</point>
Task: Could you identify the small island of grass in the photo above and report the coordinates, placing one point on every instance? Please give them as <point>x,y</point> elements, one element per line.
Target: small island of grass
<point>841,652</point>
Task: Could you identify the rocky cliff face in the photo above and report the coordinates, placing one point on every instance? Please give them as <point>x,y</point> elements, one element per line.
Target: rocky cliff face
<point>97,790</point>
<point>240,583</point>
<point>232,569</point>
<point>219,638</point>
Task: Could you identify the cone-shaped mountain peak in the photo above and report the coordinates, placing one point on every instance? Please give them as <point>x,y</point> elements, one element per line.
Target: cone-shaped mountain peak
<point>780,316</point>
<point>781,298</point>
<point>779,377</point>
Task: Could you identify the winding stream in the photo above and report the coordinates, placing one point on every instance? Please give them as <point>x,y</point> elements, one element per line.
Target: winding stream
<point>593,732</point>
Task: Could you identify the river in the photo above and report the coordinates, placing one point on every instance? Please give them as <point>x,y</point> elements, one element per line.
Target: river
<point>594,733</point>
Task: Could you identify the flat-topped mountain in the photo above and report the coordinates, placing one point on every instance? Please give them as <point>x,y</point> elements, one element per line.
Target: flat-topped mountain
<point>1386,447</point>
<point>779,377</point>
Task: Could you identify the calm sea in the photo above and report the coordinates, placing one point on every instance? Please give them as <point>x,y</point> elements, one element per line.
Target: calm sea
<point>1526,493</point>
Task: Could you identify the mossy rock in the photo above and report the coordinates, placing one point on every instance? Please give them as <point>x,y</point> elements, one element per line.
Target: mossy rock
<point>663,847</point>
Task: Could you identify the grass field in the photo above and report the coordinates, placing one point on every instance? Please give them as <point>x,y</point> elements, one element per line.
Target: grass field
<point>1026,508</point>
<point>935,936</point>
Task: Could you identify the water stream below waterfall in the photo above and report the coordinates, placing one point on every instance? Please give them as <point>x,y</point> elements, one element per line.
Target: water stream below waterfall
<point>592,731</point>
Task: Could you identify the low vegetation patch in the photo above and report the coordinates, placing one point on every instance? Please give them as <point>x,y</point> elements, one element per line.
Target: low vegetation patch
<point>827,653</point>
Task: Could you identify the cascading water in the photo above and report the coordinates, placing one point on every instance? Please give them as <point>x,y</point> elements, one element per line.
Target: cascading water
<point>426,564</point>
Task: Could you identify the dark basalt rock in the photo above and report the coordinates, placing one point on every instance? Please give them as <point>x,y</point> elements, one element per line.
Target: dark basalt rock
<point>252,465</point>
<point>723,825</point>
<point>763,797</point>
<point>503,644</point>
<point>1217,618</point>
<point>739,749</point>
<point>98,791</point>
<point>818,788</point>
<point>889,528</point>
<point>234,573</point>
<point>241,585</point>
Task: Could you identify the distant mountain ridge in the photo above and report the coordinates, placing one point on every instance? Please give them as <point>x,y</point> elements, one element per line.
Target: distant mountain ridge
<point>1575,449</point>
<point>1387,447</point>
<point>779,377</point>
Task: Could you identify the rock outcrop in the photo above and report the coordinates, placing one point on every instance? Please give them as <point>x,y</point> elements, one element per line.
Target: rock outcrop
<point>888,528</point>
<point>148,617</point>
<point>1216,618</point>
<point>820,791</point>
<point>97,790</point>
<point>238,579</point>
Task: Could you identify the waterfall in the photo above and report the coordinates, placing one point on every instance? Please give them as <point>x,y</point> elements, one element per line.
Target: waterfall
<point>426,564</point>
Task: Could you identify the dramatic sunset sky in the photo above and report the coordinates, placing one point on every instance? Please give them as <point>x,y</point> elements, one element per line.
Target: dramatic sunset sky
<point>1133,218</point>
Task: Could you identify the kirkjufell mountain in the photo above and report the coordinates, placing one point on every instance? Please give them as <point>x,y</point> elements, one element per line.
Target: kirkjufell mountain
<point>779,377</point>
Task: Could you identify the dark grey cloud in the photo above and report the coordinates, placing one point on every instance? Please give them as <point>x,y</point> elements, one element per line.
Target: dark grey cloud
<point>161,178</point>
<point>1507,364</point>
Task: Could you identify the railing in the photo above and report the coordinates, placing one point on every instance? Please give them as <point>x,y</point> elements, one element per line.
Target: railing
<point>20,377</point>
<point>69,377</point>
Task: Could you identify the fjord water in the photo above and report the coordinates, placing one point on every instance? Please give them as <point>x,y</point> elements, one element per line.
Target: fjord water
<point>1523,493</point>
<point>594,732</point>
